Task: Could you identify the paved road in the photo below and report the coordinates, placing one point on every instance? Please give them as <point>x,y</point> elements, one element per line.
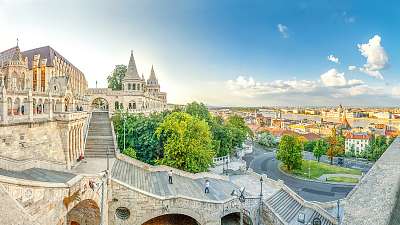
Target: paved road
<point>264,163</point>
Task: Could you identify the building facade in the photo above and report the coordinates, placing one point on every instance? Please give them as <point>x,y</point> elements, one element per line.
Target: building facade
<point>138,95</point>
<point>356,142</point>
<point>45,105</point>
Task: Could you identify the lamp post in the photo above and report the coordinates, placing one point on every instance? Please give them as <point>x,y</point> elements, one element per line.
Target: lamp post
<point>261,196</point>
<point>124,130</point>
<point>242,200</point>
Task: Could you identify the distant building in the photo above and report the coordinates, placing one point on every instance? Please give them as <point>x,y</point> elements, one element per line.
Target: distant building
<point>357,141</point>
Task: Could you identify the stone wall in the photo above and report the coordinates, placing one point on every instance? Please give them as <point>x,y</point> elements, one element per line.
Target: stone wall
<point>144,207</point>
<point>40,140</point>
<point>373,200</point>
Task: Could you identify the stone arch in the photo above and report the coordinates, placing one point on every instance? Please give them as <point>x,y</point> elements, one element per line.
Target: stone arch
<point>86,212</point>
<point>9,106</point>
<point>132,105</point>
<point>25,106</point>
<point>46,106</point>
<point>234,217</point>
<point>34,105</point>
<point>184,212</point>
<point>58,106</point>
<point>17,106</point>
<point>100,103</point>
<point>39,107</point>
<point>67,102</point>
<point>116,105</point>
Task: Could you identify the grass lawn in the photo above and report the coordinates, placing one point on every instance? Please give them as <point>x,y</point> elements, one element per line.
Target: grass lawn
<point>318,169</point>
<point>343,179</point>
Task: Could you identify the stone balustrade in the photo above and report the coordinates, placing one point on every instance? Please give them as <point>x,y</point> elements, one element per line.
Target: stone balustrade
<point>68,116</point>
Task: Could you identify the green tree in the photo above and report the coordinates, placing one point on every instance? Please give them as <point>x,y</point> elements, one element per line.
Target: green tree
<point>336,145</point>
<point>222,137</point>
<point>187,142</point>
<point>267,139</point>
<point>140,134</point>
<point>198,110</point>
<point>238,129</point>
<point>290,152</point>
<point>309,146</point>
<point>114,80</point>
<point>320,148</point>
<point>130,152</point>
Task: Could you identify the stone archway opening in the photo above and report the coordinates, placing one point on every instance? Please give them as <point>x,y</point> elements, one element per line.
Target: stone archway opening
<point>234,219</point>
<point>100,104</point>
<point>172,219</point>
<point>86,212</point>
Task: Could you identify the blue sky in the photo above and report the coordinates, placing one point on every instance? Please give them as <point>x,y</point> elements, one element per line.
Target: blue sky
<point>226,52</point>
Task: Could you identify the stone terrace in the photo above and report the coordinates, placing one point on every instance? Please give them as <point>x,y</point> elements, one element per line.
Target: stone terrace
<point>156,182</point>
<point>376,199</point>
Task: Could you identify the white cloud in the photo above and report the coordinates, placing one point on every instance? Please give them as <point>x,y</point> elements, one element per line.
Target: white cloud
<point>352,68</point>
<point>376,56</point>
<point>249,88</point>
<point>283,30</point>
<point>332,78</point>
<point>396,91</point>
<point>332,58</point>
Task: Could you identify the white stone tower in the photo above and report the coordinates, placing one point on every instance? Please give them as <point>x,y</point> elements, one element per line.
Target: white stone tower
<point>132,81</point>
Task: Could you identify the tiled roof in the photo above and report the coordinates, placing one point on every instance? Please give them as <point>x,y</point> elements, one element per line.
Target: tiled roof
<point>358,136</point>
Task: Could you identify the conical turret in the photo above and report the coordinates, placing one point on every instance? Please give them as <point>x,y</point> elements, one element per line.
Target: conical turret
<point>132,73</point>
<point>152,79</point>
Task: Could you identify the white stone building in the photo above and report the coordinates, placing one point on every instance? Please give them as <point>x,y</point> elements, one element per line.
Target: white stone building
<point>137,94</point>
<point>358,141</point>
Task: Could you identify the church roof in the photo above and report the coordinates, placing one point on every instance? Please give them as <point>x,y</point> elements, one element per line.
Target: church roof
<point>132,73</point>
<point>45,52</point>
<point>344,121</point>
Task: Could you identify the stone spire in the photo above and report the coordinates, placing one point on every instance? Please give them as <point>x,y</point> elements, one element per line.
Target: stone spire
<point>132,72</point>
<point>152,74</point>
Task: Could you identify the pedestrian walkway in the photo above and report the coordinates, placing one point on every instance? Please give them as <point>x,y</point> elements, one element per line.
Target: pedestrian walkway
<point>156,182</point>
<point>326,176</point>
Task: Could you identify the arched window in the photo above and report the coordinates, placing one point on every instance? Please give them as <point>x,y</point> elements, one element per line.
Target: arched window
<point>116,105</point>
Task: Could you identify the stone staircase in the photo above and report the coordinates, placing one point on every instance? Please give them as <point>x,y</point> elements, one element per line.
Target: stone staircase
<point>99,137</point>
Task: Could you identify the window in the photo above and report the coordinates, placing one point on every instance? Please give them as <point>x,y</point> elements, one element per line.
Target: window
<point>129,86</point>
<point>34,81</point>
<point>43,79</point>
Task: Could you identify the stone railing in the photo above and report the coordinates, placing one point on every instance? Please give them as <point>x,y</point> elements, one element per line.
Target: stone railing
<point>98,90</point>
<point>86,129</point>
<point>24,164</point>
<point>162,168</point>
<point>221,160</point>
<point>373,200</point>
<point>68,116</point>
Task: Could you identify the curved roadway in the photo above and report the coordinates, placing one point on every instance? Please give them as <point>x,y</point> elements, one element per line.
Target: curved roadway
<point>264,162</point>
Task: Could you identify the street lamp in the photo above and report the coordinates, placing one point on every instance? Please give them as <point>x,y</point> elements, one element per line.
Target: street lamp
<point>124,130</point>
<point>242,200</point>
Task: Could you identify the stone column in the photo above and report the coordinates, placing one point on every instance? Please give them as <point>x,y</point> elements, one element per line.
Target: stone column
<point>50,107</point>
<point>68,156</point>
<point>4,105</point>
<point>30,106</point>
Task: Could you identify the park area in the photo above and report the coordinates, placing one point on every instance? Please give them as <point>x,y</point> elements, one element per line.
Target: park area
<point>325,172</point>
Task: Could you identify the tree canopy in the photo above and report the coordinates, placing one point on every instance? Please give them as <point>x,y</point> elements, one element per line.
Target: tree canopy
<point>290,152</point>
<point>187,142</point>
<point>114,80</point>
<point>320,148</point>
<point>267,139</point>
<point>151,137</point>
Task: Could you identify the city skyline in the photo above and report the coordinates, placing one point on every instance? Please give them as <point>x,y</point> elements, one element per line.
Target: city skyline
<point>226,53</point>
